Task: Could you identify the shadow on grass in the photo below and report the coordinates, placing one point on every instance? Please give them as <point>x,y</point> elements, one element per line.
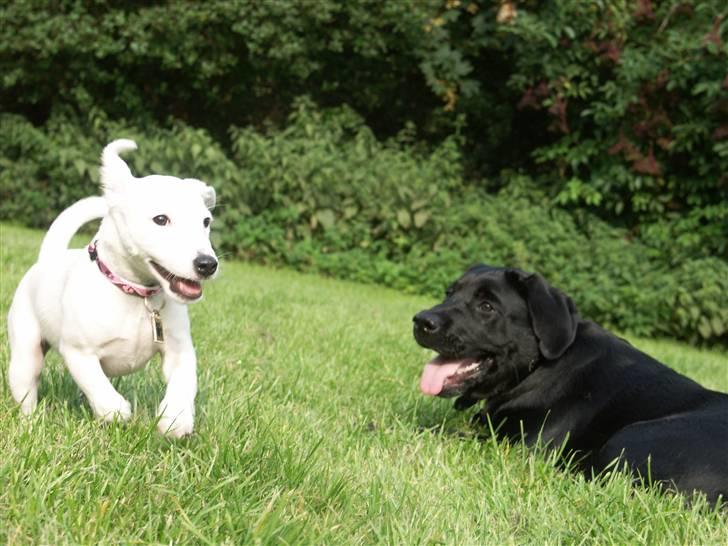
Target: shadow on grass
<point>59,392</point>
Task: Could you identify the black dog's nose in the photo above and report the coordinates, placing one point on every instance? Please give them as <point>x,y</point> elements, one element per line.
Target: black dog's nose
<point>205,265</point>
<point>428,322</point>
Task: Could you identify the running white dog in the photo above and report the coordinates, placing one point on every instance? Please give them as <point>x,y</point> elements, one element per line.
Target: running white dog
<point>110,308</point>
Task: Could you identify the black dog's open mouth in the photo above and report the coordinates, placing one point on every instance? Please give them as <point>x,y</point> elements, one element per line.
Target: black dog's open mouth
<point>184,288</point>
<point>449,377</point>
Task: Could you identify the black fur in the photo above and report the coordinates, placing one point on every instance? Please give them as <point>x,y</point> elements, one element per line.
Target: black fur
<point>550,374</point>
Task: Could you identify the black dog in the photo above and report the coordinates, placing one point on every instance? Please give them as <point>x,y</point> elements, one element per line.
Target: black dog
<point>510,338</point>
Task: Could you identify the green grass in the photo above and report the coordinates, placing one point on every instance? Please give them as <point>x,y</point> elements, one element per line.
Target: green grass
<point>310,430</point>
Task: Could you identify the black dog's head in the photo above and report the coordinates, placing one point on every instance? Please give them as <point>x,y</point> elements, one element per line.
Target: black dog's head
<point>493,327</point>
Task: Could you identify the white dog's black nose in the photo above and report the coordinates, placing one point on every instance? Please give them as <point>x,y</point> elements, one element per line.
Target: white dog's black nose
<point>205,265</point>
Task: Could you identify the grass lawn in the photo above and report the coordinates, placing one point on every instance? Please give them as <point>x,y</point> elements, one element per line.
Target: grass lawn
<point>310,430</point>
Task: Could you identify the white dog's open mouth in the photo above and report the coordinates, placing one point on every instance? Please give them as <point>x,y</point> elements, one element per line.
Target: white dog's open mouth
<point>184,288</point>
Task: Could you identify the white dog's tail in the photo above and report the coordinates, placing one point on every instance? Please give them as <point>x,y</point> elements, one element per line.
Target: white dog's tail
<point>67,224</point>
<point>114,170</point>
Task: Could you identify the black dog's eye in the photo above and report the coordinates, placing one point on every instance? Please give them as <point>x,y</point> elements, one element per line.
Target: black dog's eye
<point>485,306</point>
<point>161,219</point>
<point>206,222</point>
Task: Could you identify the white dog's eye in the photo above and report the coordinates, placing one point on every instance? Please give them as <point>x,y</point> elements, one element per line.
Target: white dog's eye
<point>206,222</point>
<point>161,219</point>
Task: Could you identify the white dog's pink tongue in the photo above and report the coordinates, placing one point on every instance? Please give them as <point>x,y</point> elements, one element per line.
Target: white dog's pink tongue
<point>435,373</point>
<point>186,288</point>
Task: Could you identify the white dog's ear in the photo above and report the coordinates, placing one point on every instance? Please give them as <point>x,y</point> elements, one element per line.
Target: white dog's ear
<point>209,196</point>
<point>207,192</point>
<point>115,173</point>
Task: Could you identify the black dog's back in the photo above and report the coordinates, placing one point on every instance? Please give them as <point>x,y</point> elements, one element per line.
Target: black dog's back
<point>687,451</point>
<point>606,398</point>
<point>598,386</point>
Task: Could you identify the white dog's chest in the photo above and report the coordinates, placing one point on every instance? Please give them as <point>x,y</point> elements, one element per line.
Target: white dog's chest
<point>131,346</point>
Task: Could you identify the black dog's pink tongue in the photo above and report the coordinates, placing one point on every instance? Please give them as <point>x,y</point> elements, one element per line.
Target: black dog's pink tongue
<point>186,288</point>
<point>435,373</point>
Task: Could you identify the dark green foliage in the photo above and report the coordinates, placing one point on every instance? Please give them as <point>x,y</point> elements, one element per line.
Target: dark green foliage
<point>700,306</point>
<point>451,131</point>
<point>324,195</point>
<point>618,106</point>
<point>327,177</point>
<point>623,106</point>
<point>213,63</point>
<point>44,170</point>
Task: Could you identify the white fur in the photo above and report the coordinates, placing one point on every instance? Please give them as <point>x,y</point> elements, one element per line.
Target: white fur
<point>101,332</point>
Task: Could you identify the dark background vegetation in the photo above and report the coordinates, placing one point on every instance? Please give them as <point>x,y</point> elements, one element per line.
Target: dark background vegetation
<point>398,142</point>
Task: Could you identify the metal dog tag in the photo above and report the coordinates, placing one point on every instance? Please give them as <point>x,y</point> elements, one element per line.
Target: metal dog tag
<point>157,330</point>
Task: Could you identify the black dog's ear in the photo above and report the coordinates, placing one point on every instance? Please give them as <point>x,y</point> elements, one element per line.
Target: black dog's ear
<point>553,316</point>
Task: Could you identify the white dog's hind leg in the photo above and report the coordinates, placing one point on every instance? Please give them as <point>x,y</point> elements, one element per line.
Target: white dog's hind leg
<point>106,403</point>
<point>26,353</point>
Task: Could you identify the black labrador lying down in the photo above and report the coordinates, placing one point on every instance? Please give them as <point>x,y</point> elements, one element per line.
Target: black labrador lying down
<point>511,339</point>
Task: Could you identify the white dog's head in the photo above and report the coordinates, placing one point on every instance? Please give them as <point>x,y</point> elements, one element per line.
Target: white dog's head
<point>163,223</point>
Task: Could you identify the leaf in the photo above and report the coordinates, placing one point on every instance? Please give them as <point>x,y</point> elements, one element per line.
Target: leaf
<point>420,203</point>
<point>718,326</point>
<point>421,218</point>
<point>704,328</point>
<point>80,165</point>
<point>326,218</point>
<point>404,218</point>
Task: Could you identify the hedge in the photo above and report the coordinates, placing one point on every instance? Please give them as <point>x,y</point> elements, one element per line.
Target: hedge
<point>615,106</point>
<point>325,195</point>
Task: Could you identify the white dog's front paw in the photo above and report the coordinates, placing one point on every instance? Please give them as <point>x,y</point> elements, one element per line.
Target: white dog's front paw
<point>28,405</point>
<point>176,423</point>
<point>111,410</point>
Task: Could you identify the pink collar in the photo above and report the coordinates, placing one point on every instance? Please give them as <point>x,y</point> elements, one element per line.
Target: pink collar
<point>128,287</point>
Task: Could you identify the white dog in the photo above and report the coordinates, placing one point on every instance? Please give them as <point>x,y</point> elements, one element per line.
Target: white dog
<point>109,308</point>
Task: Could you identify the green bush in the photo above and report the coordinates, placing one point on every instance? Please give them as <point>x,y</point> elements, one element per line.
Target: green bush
<point>621,106</point>
<point>700,306</point>
<point>524,123</point>
<point>43,170</point>
<point>334,181</point>
<point>324,195</point>
<point>214,63</point>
